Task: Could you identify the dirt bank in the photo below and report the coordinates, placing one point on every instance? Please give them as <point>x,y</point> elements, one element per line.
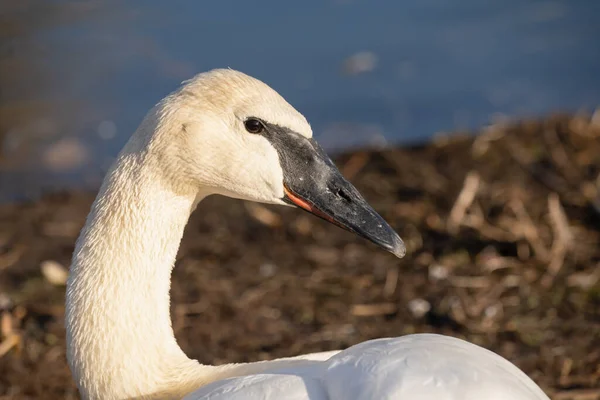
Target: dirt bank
<point>503,236</point>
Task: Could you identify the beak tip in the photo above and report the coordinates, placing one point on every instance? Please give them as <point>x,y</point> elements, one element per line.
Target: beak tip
<point>398,248</point>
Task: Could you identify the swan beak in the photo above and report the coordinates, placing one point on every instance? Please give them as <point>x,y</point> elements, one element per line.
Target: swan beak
<point>313,183</point>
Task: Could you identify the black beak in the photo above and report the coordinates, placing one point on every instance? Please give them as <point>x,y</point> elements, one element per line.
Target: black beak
<point>313,182</point>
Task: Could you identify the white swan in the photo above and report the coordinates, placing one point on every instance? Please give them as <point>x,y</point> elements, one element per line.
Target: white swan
<point>226,133</point>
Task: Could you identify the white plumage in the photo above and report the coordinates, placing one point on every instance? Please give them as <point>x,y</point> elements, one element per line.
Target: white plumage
<point>414,367</point>
<point>196,142</point>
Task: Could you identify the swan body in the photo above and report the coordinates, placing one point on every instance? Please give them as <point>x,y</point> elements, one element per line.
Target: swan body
<point>226,133</point>
<point>422,366</point>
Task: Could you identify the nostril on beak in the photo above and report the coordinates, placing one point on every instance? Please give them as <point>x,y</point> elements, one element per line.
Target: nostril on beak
<point>341,193</point>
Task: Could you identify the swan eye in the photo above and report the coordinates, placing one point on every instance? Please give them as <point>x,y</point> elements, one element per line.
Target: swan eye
<point>253,125</point>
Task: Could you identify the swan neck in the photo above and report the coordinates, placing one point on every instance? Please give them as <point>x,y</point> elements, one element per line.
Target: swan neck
<point>119,335</point>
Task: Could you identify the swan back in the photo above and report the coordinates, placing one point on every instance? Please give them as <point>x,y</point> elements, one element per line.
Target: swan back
<point>412,367</point>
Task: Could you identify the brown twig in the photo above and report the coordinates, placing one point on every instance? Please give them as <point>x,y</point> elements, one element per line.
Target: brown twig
<point>463,201</point>
<point>559,155</point>
<point>582,394</point>
<point>369,310</point>
<point>562,239</point>
<point>263,215</point>
<point>10,258</point>
<point>355,164</point>
<point>472,282</point>
<point>476,220</point>
<point>7,344</point>
<point>528,229</point>
<point>546,178</point>
<point>391,282</point>
<point>12,337</point>
<point>482,142</point>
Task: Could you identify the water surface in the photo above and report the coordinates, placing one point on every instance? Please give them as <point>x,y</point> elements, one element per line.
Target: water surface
<point>88,71</point>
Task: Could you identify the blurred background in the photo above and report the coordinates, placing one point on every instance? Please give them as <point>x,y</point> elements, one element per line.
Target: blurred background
<point>472,126</point>
<point>76,77</point>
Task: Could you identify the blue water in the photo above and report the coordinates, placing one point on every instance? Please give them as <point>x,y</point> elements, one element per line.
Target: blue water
<point>440,65</point>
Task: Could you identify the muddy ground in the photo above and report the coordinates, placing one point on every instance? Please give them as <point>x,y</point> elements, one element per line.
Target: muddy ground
<point>503,236</point>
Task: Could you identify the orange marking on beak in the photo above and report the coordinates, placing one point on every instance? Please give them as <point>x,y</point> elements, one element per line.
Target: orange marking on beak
<point>306,205</point>
<point>297,200</point>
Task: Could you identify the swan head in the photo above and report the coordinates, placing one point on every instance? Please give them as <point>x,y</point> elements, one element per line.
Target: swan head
<point>235,136</point>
